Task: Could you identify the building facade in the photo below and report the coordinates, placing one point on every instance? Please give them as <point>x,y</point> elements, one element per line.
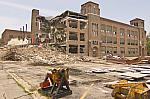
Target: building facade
<point>8,34</point>
<point>87,33</point>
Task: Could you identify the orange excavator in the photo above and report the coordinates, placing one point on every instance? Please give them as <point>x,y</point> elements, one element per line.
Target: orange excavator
<point>56,83</point>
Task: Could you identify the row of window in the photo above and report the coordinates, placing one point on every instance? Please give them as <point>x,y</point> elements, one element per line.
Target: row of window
<point>112,30</point>
<point>132,34</point>
<point>74,36</point>
<point>74,24</point>
<point>91,9</point>
<point>114,40</point>
<point>113,50</point>
<point>74,49</point>
<point>132,42</point>
<point>132,50</point>
<point>95,29</point>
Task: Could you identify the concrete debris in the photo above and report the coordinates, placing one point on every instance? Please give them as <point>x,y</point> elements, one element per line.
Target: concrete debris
<point>16,41</point>
<point>43,56</point>
<point>12,55</point>
<point>131,75</point>
<point>100,70</point>
<point>40,56</point>
<point>125,69</point>
<point>148,81</point>
<point>145,72</point>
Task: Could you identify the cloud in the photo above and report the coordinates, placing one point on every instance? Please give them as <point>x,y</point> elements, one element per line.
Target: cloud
<point>28,8</point>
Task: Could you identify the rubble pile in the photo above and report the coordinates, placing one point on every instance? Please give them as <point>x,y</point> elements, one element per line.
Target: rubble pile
<point>11,56</point>
<point>42,56</point>
<point>3,52</point>
<point>39,56</point>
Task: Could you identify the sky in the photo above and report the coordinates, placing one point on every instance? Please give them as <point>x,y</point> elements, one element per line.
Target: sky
<point>14,14</point>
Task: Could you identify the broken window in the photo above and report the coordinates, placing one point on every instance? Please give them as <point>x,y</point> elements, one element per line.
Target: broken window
<point>129,51</point>
<point>136,34</point>
<point>115,50</point>
<point>82,47</point>
<point>122,32</point>
<point>136,42</point>
<point>103,28</point>
<point>108,28</point>
<point>136,50</point>
<point>82,37</point>
<point>103,49</point>
<point>122,41</point>
<point>103,38</point>
<point>115,40</point>
<point>128,32</point>
<point>94,10</point>
<point>73,49</point>
<point>142,43</point>
<point>133,50</point>
<point>82,25</point>
<point>64,22</point>
<point>135,24</point>
<point>73,23</point>
<point>95,29</point>
<point>132,42</point>
<point>114,30</point>
<point>129,43</point>
<point>109,39</point>
<point>109,49</point>
<point>132,34</point>
<point>73,36</point>
<point>122,50</point>
<point>95,42</point>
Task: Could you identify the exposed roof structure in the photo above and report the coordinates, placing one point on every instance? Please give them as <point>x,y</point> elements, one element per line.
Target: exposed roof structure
<point>70,14</point>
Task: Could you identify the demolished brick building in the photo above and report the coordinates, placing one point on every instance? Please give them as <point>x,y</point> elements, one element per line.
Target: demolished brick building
<point>87,33</point>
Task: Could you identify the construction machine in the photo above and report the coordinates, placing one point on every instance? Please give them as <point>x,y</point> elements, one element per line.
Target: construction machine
<point>56,83</point>
<point>130,90</point>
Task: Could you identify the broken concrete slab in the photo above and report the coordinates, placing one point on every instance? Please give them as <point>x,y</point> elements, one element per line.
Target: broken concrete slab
<point>133,75</point>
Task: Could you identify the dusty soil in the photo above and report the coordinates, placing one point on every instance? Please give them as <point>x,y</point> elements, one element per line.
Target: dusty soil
<point>36,74</point>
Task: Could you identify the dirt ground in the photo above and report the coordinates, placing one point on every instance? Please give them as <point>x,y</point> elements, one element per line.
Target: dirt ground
<point>33,75</point>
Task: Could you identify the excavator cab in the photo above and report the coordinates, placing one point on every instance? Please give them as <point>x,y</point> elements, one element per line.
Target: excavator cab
<point>56,83</point>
